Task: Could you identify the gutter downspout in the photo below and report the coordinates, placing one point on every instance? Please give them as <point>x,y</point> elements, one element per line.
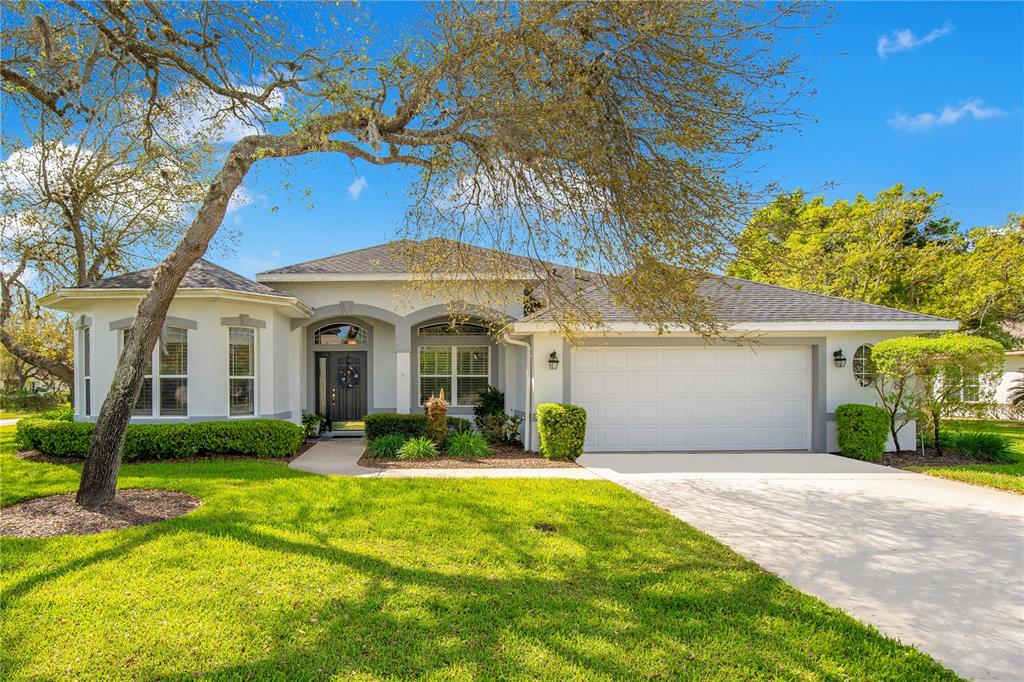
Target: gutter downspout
<point>527,388</point>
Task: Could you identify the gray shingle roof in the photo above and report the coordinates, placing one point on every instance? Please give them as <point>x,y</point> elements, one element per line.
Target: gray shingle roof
<point>740,300</point>
<point>393,258</point>
<point>202,275</point>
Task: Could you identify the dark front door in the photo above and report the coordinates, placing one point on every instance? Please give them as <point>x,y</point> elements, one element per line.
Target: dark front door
<point>345,398</point>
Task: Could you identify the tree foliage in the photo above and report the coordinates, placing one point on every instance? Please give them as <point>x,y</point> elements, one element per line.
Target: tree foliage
<point>599,133</point>
<point>894,250</point>
<point>940,372</point>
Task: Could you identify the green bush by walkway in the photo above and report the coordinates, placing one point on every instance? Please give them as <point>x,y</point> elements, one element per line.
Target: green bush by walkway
<point>252,437</point>
<point>562,430</point>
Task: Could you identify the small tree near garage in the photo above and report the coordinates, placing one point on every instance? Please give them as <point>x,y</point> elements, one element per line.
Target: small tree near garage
<point>942,374</point>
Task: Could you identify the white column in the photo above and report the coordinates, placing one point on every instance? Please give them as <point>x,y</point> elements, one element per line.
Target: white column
<point>403,376</point>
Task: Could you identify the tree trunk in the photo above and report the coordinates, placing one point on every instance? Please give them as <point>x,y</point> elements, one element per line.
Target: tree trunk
<point>38,360</point>
<point>895,438</point>
<point>99,476</point>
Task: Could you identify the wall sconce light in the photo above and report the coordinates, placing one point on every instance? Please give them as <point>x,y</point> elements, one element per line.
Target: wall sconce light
<point>553,360</point>
<point>839,358</point>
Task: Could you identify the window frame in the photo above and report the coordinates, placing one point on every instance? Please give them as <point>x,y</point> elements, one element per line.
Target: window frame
<point>361,339</point>
<point>970,383</point>
<point>87,370</point>
<point>454,373</point>
<point>158,409</point>
<point>254,377</point>
<point>862,375</point>
<point>122,339</point>
<point>450,329</point>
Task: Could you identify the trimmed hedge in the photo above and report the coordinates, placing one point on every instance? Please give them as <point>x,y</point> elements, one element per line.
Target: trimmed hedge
<point>30,400</point>
<point>251,437</point>
<point>408,425</point>
<point>562,429</point>
<point>861,431</point>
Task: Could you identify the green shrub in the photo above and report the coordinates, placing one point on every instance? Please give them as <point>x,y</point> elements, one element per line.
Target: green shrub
<point>861,431</point>
<point>314,424</point>
<point>562,430</point>
<point>251,437</point>
<point>993,447</point>
<point>61,414</point>
<point>489,401</point>
<point>467,446</point>
<point>409,425</point>
<point>22,400</point>
<point>417,448</point>
<point>387,446</point>
<point>500,428</point>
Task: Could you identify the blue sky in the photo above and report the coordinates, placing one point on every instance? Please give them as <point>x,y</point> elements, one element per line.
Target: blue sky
<point>941,107</point>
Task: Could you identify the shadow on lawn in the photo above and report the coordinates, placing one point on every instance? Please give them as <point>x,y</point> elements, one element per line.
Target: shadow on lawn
<point>451,580</point>
<point>627,625</point>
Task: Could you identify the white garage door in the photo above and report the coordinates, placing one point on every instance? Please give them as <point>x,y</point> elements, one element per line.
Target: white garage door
<point>701,398</point>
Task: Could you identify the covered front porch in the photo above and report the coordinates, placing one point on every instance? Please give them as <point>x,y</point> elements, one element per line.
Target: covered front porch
<point>355,359</point>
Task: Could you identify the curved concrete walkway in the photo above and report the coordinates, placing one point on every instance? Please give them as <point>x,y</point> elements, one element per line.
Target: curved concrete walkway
<point>339,457</point>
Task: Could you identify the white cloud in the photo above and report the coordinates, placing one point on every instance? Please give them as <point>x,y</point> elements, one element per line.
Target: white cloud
<point>973,107</point>
<point>357,187</point>
<point>904,39</point>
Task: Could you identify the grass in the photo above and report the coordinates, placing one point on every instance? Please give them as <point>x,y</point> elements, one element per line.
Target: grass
<point>353,425</point>
<point>285,575</point>
<point>17,414</point>
<point>1008,477</point>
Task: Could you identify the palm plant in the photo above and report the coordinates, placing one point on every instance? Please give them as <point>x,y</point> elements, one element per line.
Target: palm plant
<point>1015,396</point>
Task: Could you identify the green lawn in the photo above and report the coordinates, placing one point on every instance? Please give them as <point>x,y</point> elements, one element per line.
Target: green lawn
<point>284,575</point>
<point>1003,476</point>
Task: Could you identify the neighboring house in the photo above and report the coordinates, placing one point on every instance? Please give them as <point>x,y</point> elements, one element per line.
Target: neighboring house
<point>346,335</point>
<point>1013,370</point>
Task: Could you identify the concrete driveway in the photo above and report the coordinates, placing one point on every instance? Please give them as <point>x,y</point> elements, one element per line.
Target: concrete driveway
<point>933,563</point>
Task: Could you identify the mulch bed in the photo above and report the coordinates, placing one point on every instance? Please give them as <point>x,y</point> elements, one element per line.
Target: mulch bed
<point>931,459</point>
<point>36,456</point>
<point>59,515</point>
<point>505,457</point>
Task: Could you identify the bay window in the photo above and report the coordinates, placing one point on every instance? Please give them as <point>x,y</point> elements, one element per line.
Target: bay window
<point>87,369</point>
<point>241,371</point>
<point>173,365</point>
<point>144,404</point>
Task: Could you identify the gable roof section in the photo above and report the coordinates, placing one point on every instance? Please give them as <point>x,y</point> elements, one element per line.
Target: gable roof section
<point>390,261</point>
<point>204,279</point>
<point>202,275</point>
<point>741,301</point>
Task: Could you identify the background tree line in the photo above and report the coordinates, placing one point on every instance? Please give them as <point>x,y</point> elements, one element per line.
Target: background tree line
<point>894,250</point>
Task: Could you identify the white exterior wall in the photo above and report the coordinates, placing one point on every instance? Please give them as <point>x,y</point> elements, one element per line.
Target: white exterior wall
<point>396,296</point>
<point>207,356</point>
<point>839,383</point>
<point>1013,370</point>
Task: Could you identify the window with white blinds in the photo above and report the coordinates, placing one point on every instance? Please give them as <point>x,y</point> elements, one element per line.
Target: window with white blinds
<point>462,371</point>
<point>241,371</point>
<point>173,366</point>
<point>144,405</point>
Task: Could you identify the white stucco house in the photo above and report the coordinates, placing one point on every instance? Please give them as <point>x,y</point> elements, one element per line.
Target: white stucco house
<point>345,336</point>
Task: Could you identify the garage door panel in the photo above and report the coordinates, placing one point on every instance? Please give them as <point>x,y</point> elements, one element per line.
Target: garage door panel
<point>718,398</point>
<point>643,384</point>
<point>763,383</point>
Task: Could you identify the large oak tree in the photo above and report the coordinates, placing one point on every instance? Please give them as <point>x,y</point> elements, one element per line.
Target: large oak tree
<point>603,134</point>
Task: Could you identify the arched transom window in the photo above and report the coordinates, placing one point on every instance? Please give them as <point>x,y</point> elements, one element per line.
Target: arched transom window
<point>453,329</point>
<point>342,334</point>
<point>863,367</point>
